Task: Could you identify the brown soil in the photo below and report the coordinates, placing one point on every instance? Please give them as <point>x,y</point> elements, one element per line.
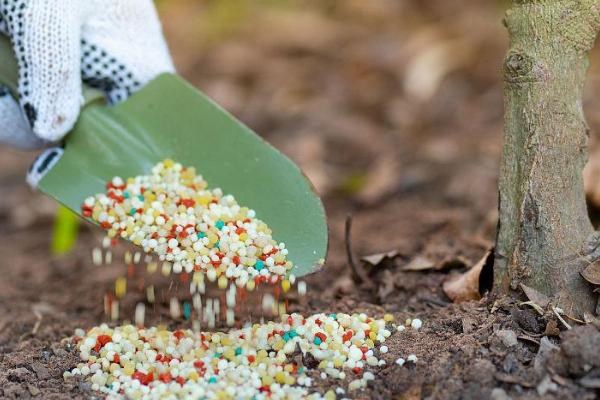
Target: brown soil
<point>344,89</point>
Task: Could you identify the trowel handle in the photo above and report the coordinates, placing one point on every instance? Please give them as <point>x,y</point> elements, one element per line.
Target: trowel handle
<point>9,73</point>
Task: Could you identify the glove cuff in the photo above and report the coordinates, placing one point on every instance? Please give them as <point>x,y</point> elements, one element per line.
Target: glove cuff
<point>42,164</point>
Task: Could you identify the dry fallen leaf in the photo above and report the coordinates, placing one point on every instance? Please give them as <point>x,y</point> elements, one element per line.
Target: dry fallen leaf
<point>376,259</point>
<point>465,287</point>
<point>591,273</point>
<point>552,328</point>
<point>418,263</point>
<point>533,295</point>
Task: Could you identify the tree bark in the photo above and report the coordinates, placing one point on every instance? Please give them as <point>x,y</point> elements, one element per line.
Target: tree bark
<point>545,236</point>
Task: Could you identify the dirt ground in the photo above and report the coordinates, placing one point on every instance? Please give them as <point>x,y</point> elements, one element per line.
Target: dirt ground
<point>394,110</point>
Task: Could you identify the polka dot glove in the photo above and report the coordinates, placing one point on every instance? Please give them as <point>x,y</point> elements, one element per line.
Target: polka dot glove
<point>113,45</point>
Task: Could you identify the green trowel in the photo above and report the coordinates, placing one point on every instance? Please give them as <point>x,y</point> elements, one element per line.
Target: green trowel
<point>169,118</point>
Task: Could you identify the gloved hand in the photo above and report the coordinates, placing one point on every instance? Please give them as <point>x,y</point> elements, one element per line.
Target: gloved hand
<point>113,45</point>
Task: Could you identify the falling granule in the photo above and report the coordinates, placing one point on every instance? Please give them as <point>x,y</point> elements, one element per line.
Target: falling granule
<point>209,306</point>
<point>267,303</point>
<point>230,317</point>
<point>196,325</point>
<point>151,267</point>
<point>302,288</point>
<point>127,258</point>
<point>197,302</point>
<point>120,287</point>
<point>114,310</point>
<point>140,314</point>
<point>174,308</point>
<point>187,310</point>
<point>150,294</point>
<point>166,268</point>
<point>230,297</point>
<point>208,315</point>
<point>138,363</point>
<point>108,257</point>
<point>217,308</point>
<point>97,256</point>
<point>201,287</point>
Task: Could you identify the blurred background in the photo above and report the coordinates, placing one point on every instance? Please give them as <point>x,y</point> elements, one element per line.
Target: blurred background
<point>392,107</point>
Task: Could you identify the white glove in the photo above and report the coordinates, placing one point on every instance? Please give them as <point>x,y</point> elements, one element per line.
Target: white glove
<point>113,45</point>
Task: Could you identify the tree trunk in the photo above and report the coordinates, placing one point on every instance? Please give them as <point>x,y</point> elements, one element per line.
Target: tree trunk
<point>545,236</point>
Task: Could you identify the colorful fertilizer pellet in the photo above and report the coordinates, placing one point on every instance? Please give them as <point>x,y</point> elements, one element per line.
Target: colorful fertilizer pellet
<point>416,324</point>
<point>174,215</point>
<point>269,360</point>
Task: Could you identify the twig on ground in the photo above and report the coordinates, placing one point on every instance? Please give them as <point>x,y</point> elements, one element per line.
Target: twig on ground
<point>557,311</point>
<point>528,338</point>
<point>533,305</point>
<point>579,321</point>
<point>358,274</point>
